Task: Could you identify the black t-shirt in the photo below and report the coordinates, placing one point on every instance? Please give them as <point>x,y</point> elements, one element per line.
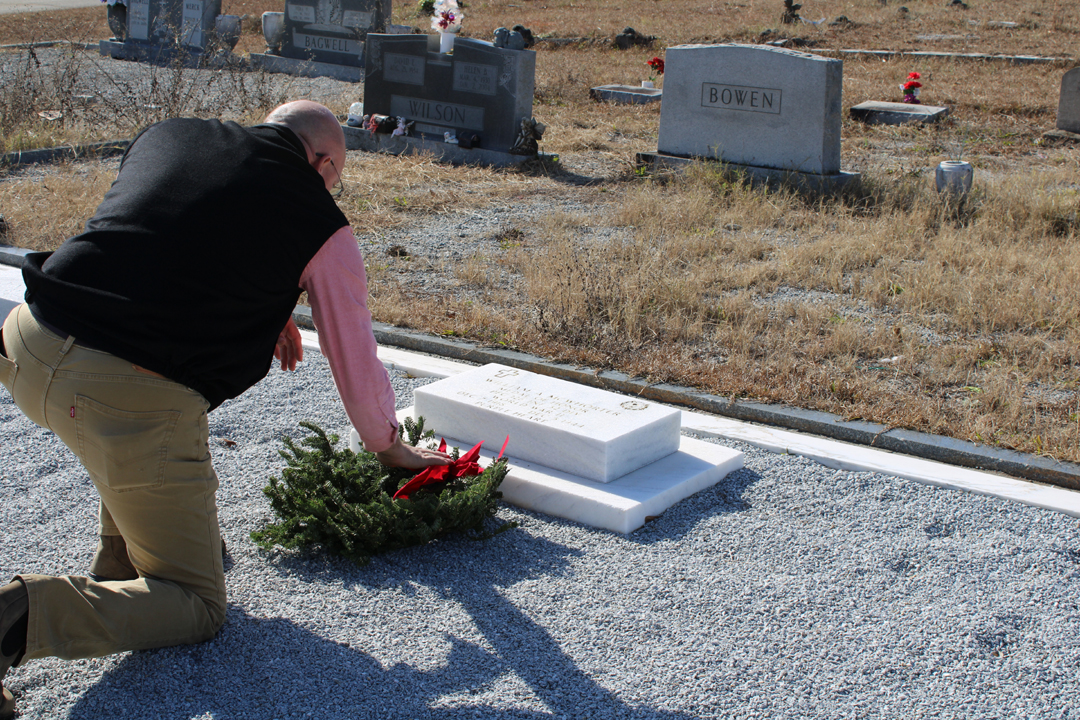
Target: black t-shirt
<point>191,265</point>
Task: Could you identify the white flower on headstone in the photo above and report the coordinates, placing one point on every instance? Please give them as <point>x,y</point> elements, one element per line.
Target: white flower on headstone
<point>447,17</point>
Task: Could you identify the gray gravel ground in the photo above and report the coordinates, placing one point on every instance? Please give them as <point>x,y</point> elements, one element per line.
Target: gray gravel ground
<point>787,591</point>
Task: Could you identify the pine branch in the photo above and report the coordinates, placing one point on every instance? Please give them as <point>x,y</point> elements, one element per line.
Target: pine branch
<point>343,501</point>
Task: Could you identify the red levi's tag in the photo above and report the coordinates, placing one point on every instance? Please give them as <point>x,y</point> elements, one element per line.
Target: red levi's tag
<point>72,411</point>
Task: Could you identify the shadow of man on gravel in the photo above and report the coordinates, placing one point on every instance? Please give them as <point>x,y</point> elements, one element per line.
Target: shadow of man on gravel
<point>521,643</point>
<point>232,677</point>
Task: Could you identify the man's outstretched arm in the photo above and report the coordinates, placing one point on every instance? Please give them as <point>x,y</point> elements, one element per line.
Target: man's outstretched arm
<point>337,289</point>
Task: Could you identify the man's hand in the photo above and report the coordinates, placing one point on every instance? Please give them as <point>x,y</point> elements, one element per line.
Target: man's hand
<point>413,458</point>
<point>290,346</point>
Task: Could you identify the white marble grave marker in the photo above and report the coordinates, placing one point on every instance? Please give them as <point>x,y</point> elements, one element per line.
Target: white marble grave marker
<point>579,430</point>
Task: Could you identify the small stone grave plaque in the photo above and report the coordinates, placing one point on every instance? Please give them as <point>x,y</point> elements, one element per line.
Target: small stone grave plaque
<point>332,31</point>
<point>626,94</point>
<point>579,430</point>
<point>1068,116</point>
<point>478,88</point>
<point>873,112</point>
<point>752,105</point>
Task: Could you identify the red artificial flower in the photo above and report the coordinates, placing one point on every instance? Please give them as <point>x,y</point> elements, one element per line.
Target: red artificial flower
<point>911,85</point>
<point>657,64</point>
<point>914,76</point>
<point>464,466</point>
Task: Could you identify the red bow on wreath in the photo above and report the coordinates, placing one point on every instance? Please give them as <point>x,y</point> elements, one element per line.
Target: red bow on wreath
<point>464,466</point>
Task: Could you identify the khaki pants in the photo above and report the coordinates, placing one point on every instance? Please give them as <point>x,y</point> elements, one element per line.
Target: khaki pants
<point>144,441</point>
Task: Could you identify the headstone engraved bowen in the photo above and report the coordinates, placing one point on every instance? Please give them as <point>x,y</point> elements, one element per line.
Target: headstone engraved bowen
<point>332,31</point>
<point>753,105</point>
<point>1068,116</point>
<point>575,452</point>
<point>479,88</point>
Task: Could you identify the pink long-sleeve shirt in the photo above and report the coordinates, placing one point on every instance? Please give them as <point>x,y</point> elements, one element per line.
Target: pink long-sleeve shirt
<point>337,289</point>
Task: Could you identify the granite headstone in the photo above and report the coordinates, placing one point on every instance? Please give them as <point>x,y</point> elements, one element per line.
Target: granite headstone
<point>752,105</point>
<point>477,89</point>
<point>168,23</point>
<point>1068,116</point>
<point>332,31</point>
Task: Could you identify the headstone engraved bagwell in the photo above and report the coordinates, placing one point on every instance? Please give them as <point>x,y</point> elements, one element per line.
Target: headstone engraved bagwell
<point>478,89</point>
<point>768,110</point>
<point>331,31</point>
<point>322,37</point>
<point>160,30</point>
<point>575,452</point>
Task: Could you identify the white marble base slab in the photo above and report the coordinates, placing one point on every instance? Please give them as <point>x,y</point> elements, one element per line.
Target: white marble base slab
<point>589,432</point>
<point>622,505</point>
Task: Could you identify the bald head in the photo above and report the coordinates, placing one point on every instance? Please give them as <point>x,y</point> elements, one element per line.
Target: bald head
<point>318,128</point>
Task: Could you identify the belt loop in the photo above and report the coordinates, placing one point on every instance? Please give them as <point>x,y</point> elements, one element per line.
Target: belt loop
<point>67,346</point>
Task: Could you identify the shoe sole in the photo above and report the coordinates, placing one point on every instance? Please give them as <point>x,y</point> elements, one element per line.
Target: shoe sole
<point>7,707</point>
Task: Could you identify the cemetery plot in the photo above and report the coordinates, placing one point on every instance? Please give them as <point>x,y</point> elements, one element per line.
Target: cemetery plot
<point>575,452</point>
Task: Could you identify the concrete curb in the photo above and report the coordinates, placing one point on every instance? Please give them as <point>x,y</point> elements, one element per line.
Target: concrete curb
<point>13,256</point>
<point>929,55</point>
<point>49,44</point>
<point>71,152</point>
<point>908,442</point>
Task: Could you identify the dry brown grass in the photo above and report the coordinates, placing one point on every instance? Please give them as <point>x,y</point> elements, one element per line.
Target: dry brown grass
<point>885,304</point>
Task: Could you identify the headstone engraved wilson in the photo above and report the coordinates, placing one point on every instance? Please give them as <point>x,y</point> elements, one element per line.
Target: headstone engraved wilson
<point>332,31</point>
<point>583,431</point>
<point>478,88</point>
<point>752,105</point>
<point>1068,116</point>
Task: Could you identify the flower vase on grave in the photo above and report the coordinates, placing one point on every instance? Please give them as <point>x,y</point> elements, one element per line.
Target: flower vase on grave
<point>273,27</point>
<point>446,41</point>
<point>647,84</point>
<point>446,20</point>
<point>953,177</point>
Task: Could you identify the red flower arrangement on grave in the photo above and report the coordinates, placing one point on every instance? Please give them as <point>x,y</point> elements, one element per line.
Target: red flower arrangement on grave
<point>911,88</point>
<point>464,466</point>
<point>657,65</point>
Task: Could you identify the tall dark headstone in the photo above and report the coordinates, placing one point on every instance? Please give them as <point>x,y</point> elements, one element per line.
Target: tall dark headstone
<point>332,31</point>
<point>477,89</point>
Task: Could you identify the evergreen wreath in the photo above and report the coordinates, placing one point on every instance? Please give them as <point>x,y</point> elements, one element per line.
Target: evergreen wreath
<point>344,501</point>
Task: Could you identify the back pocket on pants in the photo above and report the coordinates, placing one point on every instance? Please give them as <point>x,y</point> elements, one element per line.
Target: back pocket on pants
<point>8,369</point>
<point>124,450</point>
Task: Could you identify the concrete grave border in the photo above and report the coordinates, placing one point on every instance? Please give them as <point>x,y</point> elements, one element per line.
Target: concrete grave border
<point>108,148</point>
